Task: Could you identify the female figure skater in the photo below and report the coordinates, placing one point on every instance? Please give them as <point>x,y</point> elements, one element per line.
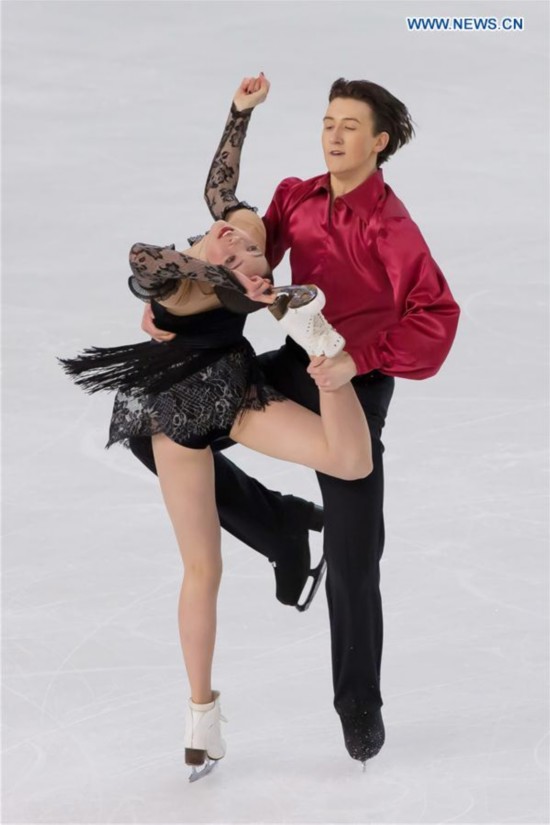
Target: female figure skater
<point>205,383</point>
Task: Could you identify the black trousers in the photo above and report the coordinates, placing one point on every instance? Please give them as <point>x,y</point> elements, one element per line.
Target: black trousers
<point>353,532</point>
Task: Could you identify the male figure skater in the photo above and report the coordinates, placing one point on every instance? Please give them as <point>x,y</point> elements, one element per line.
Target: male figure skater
<point>349,234</point>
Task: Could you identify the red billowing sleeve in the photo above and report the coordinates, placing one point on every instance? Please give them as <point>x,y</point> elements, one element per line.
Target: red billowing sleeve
<point>276,222</point>
<point>417,345</point>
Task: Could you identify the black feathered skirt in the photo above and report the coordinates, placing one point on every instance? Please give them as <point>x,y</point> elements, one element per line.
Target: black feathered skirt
<point>192,388</point>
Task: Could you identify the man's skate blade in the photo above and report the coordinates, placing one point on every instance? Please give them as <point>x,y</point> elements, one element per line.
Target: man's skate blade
<point>208,768</point>
<point>317,574</point>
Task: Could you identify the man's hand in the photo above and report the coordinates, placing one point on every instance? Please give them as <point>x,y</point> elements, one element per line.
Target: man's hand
<point>148,326</point>
<point>332,373</point>
<point>251,92</point>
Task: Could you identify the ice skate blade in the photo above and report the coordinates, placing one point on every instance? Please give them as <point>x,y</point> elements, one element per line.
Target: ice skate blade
<point>302,300</point>
<point>317,574</point>
<point>308,298</point>
<point>208,768</point>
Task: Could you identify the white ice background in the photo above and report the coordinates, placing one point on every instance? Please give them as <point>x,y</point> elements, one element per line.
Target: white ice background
<point>112,111</point>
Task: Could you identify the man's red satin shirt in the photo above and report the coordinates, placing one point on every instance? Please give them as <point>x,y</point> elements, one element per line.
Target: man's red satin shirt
<point>385,293</point>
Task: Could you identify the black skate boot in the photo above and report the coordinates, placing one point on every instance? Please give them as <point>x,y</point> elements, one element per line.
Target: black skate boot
<point>364,734</point>
<point>292,567</point>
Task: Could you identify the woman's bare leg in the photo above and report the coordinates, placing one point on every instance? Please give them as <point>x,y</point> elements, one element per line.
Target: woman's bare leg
<point>336,443</point>
<point>187,482</point>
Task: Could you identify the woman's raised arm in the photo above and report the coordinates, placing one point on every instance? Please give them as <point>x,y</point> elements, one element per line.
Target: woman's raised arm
<point>223,175</point>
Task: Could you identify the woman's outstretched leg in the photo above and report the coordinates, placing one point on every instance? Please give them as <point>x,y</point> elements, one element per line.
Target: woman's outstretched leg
<point>187,482</point>
<point>336,443</point>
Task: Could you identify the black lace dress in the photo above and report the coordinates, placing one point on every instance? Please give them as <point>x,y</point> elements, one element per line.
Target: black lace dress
<point>194,387</point>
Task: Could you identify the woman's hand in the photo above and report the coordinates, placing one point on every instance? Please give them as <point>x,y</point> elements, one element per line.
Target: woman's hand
<point>148,326</point>
<point>257,288</point>
<point>251,92</point>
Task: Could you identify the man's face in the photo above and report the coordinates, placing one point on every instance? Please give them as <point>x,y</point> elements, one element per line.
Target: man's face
<point>349,142</point>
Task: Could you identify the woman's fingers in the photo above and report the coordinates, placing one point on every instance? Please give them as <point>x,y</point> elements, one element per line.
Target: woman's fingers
<point>254,84</point>
<point>251,92</point>
<point>255,286</point>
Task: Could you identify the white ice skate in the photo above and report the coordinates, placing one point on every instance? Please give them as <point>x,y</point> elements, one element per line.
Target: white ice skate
<point>298,310</point>
<point>204,745</point>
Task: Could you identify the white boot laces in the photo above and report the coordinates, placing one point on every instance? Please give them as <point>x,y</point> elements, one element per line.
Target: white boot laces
<point>322,330</point>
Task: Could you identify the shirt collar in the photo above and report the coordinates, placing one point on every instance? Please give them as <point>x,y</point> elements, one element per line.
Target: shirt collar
<point>363,199</point>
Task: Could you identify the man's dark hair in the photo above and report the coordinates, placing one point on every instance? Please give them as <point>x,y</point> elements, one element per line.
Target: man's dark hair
<point>389,114</point>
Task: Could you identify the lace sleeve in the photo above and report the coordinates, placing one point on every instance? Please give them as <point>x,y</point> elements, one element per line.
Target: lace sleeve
<point>223,176</point>
<point>158,270</point>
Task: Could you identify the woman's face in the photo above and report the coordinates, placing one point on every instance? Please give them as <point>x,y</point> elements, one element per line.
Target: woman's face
<point>234,248</point>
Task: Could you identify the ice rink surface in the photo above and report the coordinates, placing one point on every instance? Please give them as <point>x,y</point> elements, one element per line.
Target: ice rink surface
<point>112,111</point>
